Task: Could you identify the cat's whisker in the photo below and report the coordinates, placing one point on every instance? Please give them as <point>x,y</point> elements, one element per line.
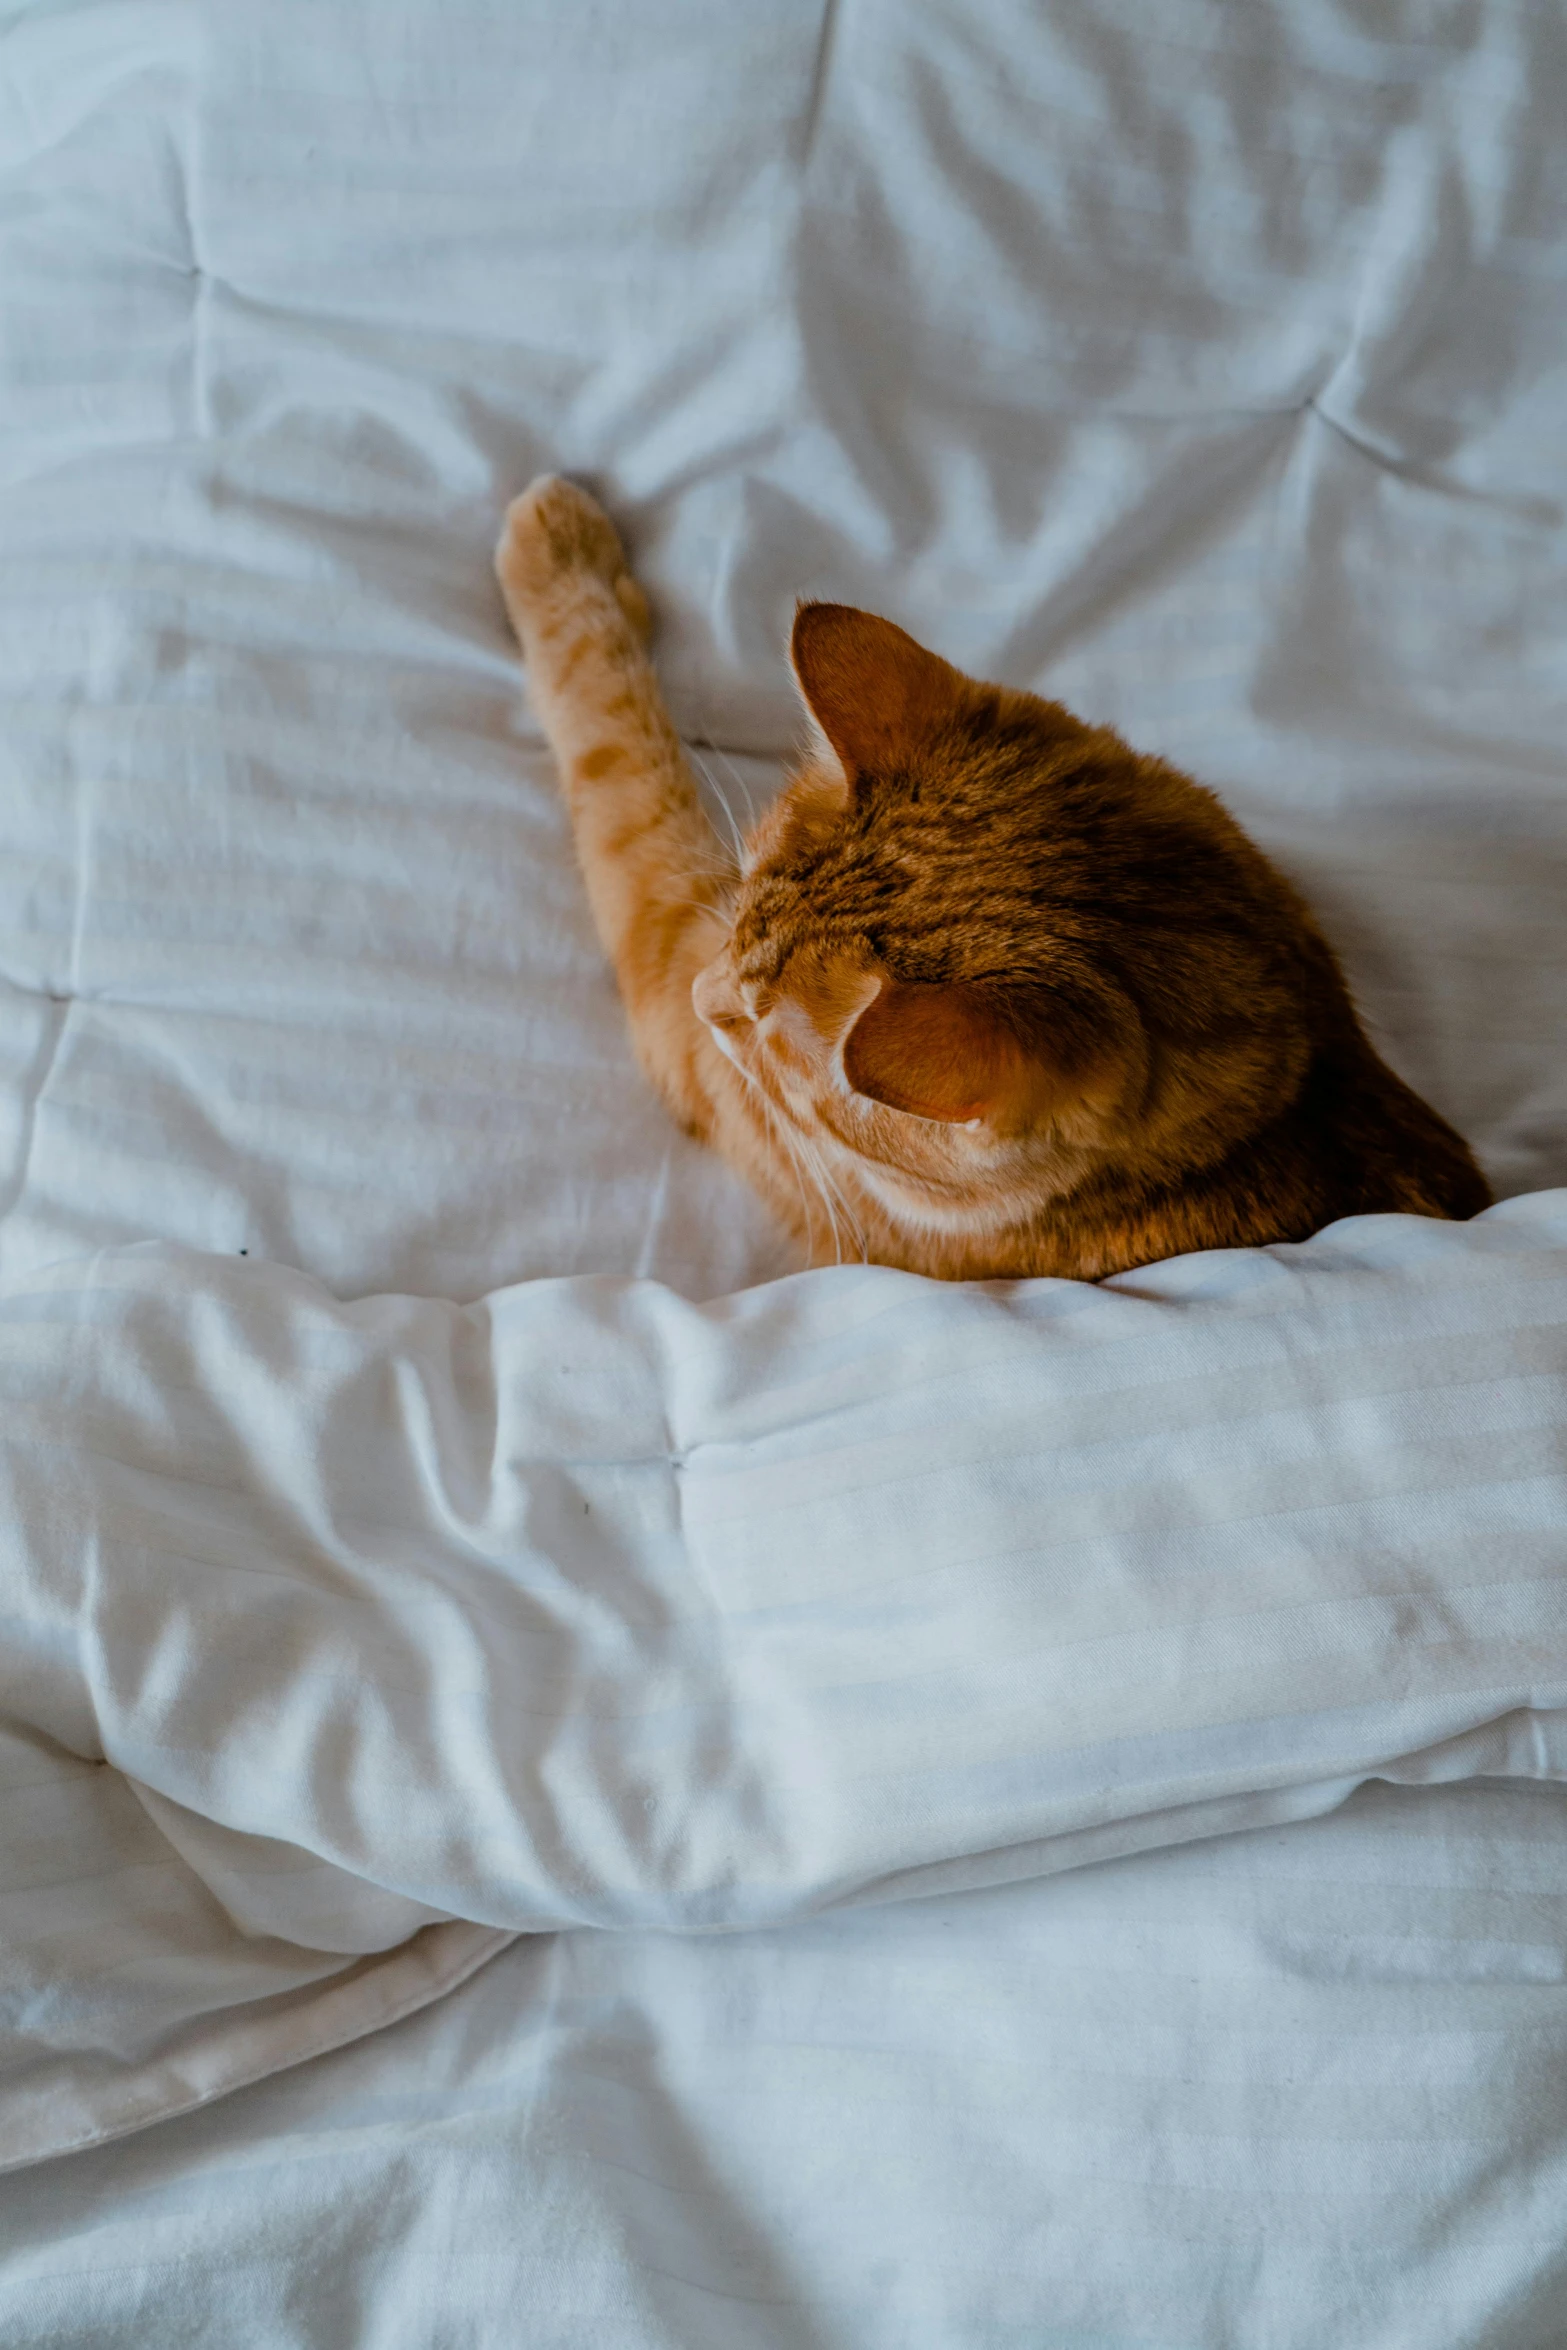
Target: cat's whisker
<point>723,872</point>
<point>777,1125</point>
<point>825,1178</point>
<point>1100,921</point>
<point>717,906</point>
<point>737,837</point>
<point>735,776</point>
<point>806,1158</point>
<point>804,1153</point>
<point>710,742</point>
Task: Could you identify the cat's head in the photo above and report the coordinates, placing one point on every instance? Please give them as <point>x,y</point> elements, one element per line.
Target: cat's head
<point>987,949</point>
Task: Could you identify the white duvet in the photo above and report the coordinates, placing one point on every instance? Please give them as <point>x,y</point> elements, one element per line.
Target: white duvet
<point>841,1811</point>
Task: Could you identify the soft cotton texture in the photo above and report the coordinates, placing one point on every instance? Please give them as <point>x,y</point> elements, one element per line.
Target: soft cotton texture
<point>1203,369</point>
<point>590,1608</point>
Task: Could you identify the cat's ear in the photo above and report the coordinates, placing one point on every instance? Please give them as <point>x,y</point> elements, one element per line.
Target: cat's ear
<point>944,1052</point>
<point>877,696</point>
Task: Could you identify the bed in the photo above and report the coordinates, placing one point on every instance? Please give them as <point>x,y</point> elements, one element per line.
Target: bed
<point>566,1781</point>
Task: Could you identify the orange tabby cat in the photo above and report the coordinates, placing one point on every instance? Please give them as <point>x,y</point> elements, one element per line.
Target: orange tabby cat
<point>991,994</point>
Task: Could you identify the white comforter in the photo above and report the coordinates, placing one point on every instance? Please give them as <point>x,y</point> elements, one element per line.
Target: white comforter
<point>1024,1816</point>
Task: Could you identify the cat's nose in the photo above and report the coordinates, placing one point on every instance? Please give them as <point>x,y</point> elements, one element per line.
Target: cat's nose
<point>716,999</point>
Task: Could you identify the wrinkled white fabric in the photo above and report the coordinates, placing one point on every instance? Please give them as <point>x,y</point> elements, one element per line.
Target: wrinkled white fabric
<point>1202,366</point>
<point>590,1607</point>
<point>1207,375</point>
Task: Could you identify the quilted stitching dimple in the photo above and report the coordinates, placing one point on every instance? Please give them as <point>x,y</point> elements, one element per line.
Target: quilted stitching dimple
<point>94,247</point>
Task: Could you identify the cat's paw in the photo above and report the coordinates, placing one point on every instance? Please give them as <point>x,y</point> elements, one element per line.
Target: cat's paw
<point>555,533</point>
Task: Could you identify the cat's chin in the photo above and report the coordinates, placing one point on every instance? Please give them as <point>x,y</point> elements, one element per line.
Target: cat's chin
<point>1002,1186</point>
<point>916,1208</point>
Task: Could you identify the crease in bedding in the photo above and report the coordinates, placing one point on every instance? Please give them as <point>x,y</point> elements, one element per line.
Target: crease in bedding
<point>1009,1780</point>
<point>402,1628</point>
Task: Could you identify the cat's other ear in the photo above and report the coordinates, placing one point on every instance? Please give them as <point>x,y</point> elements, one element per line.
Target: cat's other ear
<point>943,1051</point>
<point>877,696</point>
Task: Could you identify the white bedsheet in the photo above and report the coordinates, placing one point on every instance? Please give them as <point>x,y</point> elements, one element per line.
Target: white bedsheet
<point>1203,367</point>
<point>591,1608</point>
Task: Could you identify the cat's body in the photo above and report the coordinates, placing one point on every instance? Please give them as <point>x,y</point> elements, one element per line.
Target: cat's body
<point>992,995</point>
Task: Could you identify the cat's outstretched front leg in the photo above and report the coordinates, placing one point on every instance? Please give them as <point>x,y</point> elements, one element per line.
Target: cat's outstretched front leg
<point>653,867</point>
